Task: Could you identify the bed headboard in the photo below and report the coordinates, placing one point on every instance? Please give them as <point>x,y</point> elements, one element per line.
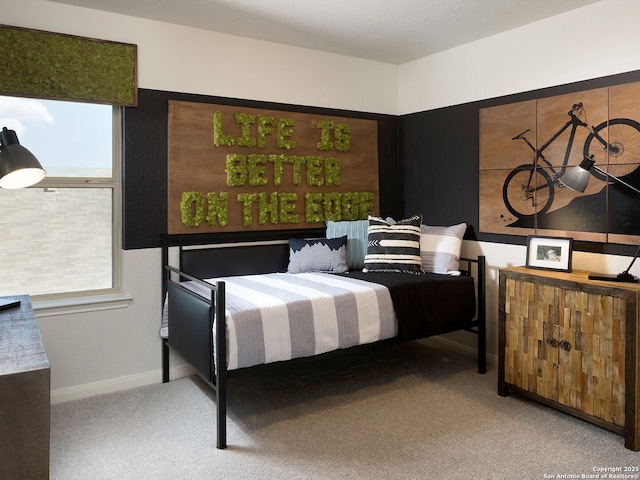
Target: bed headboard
<point>223,255</point>
<point>227,260</point>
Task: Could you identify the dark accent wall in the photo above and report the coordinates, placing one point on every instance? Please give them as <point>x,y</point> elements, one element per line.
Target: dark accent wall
<point>440,163</point>
<point>440,158</point>
<point>428,162</point>
<point>145,163</point>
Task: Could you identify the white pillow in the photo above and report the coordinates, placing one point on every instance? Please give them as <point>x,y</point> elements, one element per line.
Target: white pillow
<point>440,248</point>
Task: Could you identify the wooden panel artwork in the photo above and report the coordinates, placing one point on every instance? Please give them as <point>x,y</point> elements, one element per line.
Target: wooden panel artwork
<point>526,147</point>
<point>234,169</point>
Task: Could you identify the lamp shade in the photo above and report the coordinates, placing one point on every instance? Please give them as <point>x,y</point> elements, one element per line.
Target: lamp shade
<point>577,178</point>
<point>19,168</point>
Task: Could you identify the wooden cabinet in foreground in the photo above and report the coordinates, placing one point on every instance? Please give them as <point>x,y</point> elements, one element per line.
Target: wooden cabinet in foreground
<point>571,343</point>
<point>25,379</point>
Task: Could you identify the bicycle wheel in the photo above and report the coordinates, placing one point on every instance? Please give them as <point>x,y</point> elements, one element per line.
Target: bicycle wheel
<point>616,142</point>
<point>528,190</point>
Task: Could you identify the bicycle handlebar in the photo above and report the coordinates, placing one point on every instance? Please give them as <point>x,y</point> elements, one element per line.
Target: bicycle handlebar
<point>521,135</point>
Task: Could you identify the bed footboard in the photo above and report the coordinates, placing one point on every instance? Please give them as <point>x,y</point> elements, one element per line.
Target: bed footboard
<point>191,320</point>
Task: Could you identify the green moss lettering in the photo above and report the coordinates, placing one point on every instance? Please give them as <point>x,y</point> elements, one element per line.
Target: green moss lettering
<point>314,171</point>
<point>268,208</point>
<point>332,167</point>
<point>257,170</point>
<point>245,121</point>
<point>236,168</point>
<point>325,142</point>
<point>332,206</point>
<point>277,161</point>
<point>313,207</point>
<point>342,134</point>
<point>220,139</point>
<point>297,162</point>
<point>247,200</point>
<point>366,204</point>
<point>217,209</point>
<point>265,127</point>
<point>350,206</point>
<point>285,131</point>
<point>192,209</point>
<point>288,202</point>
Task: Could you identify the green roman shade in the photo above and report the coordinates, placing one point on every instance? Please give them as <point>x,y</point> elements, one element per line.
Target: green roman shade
<point>65,67</point>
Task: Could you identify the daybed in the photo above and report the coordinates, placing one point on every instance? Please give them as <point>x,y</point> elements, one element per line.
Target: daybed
<point>306,313</point>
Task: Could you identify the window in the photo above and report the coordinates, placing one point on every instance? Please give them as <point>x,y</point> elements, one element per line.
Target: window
<point>60,237</point>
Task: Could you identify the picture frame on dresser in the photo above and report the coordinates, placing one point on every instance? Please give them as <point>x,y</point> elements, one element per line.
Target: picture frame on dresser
<point>549,253</point>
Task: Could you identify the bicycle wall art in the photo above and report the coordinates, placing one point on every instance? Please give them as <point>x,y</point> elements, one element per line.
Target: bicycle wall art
<point>526,147</point>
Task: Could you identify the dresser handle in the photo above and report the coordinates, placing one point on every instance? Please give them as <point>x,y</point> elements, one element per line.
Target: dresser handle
<point>552,342</point>
<point>565,345</point>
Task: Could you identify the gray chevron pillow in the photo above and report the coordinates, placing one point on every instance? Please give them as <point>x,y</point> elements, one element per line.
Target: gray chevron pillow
<point>320,255</point>
<point>393,247</point>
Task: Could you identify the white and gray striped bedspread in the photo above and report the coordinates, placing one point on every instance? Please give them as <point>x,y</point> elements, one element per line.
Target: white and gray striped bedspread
<point>280,316</point>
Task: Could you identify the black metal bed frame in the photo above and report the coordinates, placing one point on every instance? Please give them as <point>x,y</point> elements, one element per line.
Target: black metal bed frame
<point>205,363</point>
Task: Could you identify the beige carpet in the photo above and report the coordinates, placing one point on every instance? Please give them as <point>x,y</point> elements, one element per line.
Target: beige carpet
<point>414,411</point>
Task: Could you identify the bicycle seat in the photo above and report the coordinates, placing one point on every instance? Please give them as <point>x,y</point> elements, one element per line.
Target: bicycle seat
<point>521,135</point>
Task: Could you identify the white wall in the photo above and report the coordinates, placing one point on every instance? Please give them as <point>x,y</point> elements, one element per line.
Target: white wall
<point>189,60</point>
<point>108,350</point>
<point>112,349</point>
<point>594,41</point>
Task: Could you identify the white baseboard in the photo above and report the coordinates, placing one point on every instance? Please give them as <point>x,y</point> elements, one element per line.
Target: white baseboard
<point>87,390</point>
<point>77,392</point>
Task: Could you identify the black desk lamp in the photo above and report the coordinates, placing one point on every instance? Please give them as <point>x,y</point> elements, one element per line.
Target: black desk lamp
<point>19,168</point>
<point>577,179</point>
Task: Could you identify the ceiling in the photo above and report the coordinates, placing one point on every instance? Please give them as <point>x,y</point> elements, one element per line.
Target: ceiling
<point>389,31</point>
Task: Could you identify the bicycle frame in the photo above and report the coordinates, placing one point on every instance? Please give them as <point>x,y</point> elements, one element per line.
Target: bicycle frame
<point>574,122</point>
<point>524,196</point>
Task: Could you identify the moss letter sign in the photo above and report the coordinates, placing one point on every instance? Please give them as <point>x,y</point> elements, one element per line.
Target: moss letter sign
<point>242,169</point>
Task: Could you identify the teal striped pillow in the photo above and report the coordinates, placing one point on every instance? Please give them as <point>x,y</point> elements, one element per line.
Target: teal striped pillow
<point>356,232</point>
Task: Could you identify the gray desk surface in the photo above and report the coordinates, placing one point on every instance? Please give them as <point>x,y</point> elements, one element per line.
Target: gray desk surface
<point>21,347</point>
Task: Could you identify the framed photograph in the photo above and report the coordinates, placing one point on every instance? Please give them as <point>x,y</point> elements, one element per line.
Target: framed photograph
<point>549,253</point>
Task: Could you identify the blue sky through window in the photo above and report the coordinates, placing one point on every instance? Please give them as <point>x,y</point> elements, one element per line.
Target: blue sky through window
<point>68,138</point>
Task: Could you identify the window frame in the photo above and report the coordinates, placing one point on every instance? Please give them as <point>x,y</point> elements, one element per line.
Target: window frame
<point>97,299</point>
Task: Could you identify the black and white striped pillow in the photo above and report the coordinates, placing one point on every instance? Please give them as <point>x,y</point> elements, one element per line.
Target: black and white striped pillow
<point>393,247</point>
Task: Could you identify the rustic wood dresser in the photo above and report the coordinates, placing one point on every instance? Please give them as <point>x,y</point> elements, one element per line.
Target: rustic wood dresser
<point>571,343</point>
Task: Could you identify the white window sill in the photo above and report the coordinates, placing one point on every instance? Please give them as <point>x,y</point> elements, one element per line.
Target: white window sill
<point>64,306</point>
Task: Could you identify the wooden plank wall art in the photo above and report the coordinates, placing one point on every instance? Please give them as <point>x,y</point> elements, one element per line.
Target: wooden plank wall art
<point>525,147</point>
<point>235,169</point>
